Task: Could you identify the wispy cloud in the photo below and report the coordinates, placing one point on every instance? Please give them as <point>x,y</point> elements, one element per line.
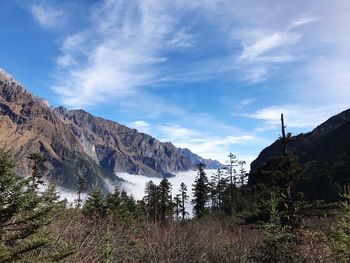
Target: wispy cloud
<point>46,15</point>
<point>296,116</point>
<point>199,142</point>
<point>120,53</point>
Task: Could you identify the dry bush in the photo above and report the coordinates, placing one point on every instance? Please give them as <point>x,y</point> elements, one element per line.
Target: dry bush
<point>111,239</point>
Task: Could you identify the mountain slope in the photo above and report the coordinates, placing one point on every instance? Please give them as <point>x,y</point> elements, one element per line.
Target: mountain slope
<point>76,143</point>
<point>325,150</point>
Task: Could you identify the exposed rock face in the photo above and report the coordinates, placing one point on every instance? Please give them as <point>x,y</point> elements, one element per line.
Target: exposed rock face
<point>28,125</point>
<point>79,144</point>
<point>120,149</point>
<point>196,159</point>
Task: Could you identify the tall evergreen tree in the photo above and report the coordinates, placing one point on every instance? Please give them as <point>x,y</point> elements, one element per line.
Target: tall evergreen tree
<point>200,192</point>
<point>218,187</point>
<point>184,199</point>
<point>230,197</point>
<point>36,177</point>
<point>177,206</point>
<point>25,216</point>
<point>243,175</point>
<point>166,203</point>
<point>95,203</point>
<point>151,200</point>
<point>80,188</point>
<point>278,175</point>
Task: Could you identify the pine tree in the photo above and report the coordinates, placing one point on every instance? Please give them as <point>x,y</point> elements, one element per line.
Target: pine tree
<point>166,203</point>
<point>177,206</point>
<point>218,186</point>
<point>231,171</point>
<point>95,203</point>
<point>36,177</point>
<point>25,216</point>
<point>80,187</point>
<point>279,243</point>
<point>278,175</point>
<point>184,198</point>
<point>243,175</point>
<point>200,192</point>
<point>151,200</point>
<point>231,190</point>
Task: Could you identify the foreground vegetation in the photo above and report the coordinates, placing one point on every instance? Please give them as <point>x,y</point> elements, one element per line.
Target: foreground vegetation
<point>264,219</point>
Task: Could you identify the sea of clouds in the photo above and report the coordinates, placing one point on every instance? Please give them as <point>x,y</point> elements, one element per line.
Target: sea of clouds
<point>135,185</point>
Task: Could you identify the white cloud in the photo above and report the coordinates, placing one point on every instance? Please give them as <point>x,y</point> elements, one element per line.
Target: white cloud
<point>295,116</point>
<point>207,146</point>
<point>141,126</point>
<point>120,53</point>
<point>47,16</point>
<point>256,50</point>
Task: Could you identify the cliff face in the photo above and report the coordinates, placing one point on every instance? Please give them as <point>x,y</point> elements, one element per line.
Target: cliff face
<point>28,125</point>
<point>118,148</point>
<point>76,143</point>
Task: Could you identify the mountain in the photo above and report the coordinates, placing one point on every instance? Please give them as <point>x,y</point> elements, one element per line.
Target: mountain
<point>196,159</point>
<point>326,153</point>
<point>76,143</point>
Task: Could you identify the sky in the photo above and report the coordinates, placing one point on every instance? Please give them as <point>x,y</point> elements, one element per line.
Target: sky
<point>209,75</point>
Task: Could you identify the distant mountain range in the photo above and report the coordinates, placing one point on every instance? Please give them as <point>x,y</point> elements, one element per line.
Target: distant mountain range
<point>76,143</point>
<point>326,153</point>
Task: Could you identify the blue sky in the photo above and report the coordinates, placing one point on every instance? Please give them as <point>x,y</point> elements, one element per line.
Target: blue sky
<point>210,75</point>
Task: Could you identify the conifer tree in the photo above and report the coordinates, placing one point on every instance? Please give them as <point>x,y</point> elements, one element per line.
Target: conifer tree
<point>218,185</point>
<point>151,200</point>
<point>200,192</point>
<point>95,203</point>
<point>80,187</point>
<point>166,204</point>
<point>243,175</point>
<point>177,206</point>
<point>231,190</point>
<point>25,216</point>
<point>36,177</point>
<point>184,198</point>
<point>279,243</point>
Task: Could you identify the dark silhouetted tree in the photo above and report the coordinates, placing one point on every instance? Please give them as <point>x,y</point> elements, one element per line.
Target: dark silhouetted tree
<point>184,199</point>
<point>200,192</point>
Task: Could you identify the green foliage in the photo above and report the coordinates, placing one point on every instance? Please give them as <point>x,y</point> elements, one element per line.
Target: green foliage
<point>279,243</point>
<point>177,206</point>
<point>278,176</point>
<point>107,247</point>
<point>166,203</point>
<point>36,177</point>
<point>340,233</point>
<point>201,191</point>
<point>25,216</point>
<point>184,198</point>
<point>95,203</point>
<point>158,200</point>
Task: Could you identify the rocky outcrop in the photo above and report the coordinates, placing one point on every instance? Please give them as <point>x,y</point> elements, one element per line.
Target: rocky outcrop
<point>118,148</point>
